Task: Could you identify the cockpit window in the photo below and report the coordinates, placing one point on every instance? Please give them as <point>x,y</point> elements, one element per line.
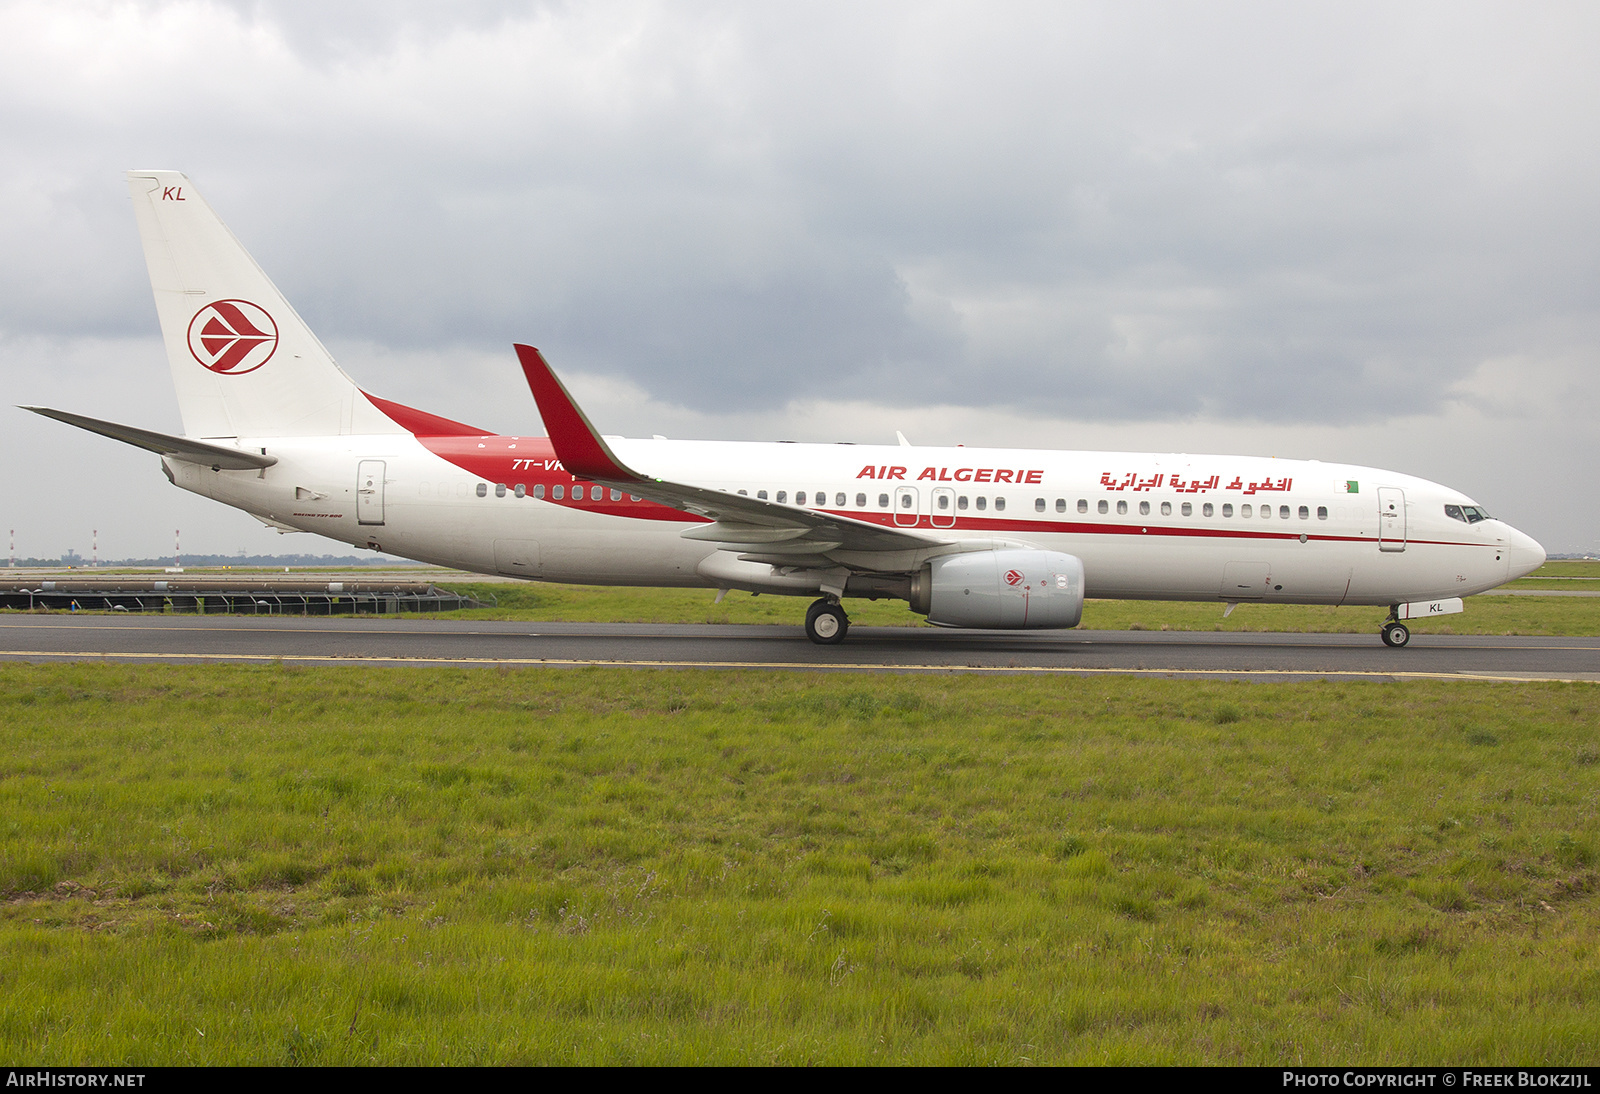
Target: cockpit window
<point>1470,514</point>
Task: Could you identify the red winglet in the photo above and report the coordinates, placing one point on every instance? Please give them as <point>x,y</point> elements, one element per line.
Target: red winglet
<point>574,437</point>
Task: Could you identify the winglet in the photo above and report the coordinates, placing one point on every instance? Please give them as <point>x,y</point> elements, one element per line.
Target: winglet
<point>577,443</point>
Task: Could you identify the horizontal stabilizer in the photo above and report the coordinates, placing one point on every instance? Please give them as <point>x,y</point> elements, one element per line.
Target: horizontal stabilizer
<point>219,457</point>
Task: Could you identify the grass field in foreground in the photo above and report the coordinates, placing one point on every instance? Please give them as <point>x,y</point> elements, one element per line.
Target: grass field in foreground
<point>283,865</point>
<point>1534,615</point>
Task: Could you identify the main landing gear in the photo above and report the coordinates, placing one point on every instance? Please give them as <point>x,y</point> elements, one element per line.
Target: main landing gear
<point>826,623</point>
<point>1395,633</point>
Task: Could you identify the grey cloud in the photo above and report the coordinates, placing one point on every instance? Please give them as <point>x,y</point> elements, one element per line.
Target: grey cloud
<point>1126,212</point>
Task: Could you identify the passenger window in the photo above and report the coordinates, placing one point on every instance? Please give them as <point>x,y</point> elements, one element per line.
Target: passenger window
<point>961,502</point>
<point>1144,509</point>
<point>596,493</point>
<point>1103,508</point>
<point>1038,505</point>
<point>838,499</point>
<point>1166,508</point>
<point>1122,508</point>
<point>861,501</point>
<point>905,500</point>
<point>1322,512</point>
<point>538,491</point>
<point>942,501</point>
<point>616,495</point>
<point>1083,505</point>
<point>999,504</point>
<point>1266,512</point>
<point>1246,511</point>
<point>634,497</point>
<point>781,497</point>
<point>883,501</point>
<point>1061,505</point>
<point>1188,509</point>
<point>558,492</point>
<point>483,490</point>
<point>761,495</point>
<point>499,489</point>
<point>1205,510</point>
<point>799,497</point>
<point>1283,512</point>
<point>744,493</point>
<point>521,491</point>
<point>1305,513</point>
<point>983,502</point>
<point>1227,509</point>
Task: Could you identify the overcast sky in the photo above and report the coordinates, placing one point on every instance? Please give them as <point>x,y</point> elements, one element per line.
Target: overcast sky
<point>1337,231</point>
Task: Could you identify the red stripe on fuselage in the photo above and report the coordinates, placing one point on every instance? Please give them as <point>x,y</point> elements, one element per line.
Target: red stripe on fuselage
<point>532,461</point>
<point>420,422</point>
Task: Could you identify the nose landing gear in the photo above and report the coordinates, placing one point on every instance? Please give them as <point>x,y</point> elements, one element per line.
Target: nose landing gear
<point>826,623</point>
<point>1395,634</point>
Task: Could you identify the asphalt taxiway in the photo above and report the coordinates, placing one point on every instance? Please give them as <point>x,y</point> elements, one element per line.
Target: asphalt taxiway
<point>189,639</point>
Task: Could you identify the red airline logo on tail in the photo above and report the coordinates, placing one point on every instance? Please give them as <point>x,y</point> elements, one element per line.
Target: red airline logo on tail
<point>232,337</point>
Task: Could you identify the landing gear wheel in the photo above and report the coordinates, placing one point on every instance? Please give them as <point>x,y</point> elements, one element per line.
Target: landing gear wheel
<point>1395,634</point>
<point>826,623</point>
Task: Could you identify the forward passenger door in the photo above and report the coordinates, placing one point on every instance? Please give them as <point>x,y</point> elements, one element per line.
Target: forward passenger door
<point>1391,519</point>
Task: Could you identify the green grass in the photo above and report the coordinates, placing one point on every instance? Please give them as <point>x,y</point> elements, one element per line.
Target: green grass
<point>1568,567</point>
<point>282,865</point>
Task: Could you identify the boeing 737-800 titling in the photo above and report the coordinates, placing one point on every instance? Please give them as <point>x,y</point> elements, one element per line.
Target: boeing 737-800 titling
<point>991,538</point>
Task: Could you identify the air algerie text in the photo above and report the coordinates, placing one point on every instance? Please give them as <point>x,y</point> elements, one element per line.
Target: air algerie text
<point>958,474</point>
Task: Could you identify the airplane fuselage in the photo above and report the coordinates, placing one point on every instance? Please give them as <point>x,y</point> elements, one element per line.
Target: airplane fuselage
<point>1146,526</point>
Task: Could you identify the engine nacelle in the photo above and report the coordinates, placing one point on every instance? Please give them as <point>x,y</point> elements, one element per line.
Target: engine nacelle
<point>1011,589</point>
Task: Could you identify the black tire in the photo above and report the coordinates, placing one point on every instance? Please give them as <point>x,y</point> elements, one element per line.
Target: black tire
<point>826,623</point>
<point>1395,635</point>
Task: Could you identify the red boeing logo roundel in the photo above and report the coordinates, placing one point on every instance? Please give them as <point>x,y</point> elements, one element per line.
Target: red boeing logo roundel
<point>1013,577</point>
<point>232,337</point>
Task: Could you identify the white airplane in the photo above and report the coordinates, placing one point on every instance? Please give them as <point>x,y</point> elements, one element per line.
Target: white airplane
<point>969,537</point>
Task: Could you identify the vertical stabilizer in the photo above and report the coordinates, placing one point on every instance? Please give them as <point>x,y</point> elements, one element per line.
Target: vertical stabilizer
<point>244,363</point>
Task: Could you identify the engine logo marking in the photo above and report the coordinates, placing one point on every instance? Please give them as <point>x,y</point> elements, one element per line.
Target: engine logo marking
<point>1013,577</point>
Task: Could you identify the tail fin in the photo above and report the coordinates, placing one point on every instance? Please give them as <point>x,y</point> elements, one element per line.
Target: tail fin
<point>244,364</point>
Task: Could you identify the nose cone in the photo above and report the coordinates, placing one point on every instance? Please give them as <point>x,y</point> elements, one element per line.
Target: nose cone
<point>1523,555</point>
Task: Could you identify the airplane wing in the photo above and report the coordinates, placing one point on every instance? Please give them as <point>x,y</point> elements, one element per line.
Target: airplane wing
<point>215,456</point>
<point>762,527</point>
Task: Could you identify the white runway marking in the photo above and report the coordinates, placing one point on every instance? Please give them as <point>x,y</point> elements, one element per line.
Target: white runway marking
<point>553,662</point>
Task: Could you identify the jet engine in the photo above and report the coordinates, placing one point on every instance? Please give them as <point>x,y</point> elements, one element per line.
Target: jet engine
<point>1011,589</point>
